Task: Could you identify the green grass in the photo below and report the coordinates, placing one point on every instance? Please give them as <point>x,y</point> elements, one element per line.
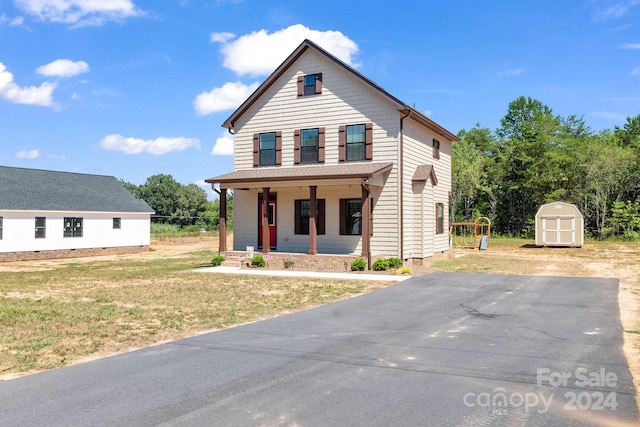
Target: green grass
<point>68,311</point>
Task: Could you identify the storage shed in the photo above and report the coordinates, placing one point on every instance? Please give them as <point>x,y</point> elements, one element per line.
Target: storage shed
<point>559,224</point>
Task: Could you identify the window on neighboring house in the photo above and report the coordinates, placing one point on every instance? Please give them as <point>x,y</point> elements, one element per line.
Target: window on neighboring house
<point>302,213</point>
<point>439,218</point>
<point>436,149</point>
<point>311,84</point>
<point>117,223</point>
<point>73,227</point>
<point>267,148</point>
<point>0,228</point>
<point>355,142</point>
<point>41,227</point>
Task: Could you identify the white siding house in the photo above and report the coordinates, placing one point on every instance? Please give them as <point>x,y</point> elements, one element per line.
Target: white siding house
<point>49,214</point>
<point>319,133</point>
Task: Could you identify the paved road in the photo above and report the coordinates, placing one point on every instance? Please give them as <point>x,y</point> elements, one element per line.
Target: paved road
<point>444,349</point>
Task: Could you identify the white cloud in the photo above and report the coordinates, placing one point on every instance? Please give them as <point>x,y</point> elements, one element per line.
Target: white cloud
<point>427,113</point>
<point>635,71</point>
<point>223,145</point>
<point>221,37</point>
<point>158,146</point>
<point>33,95</point>
<point>63,68</point>
<point>31,154</point>
<point>227,97</point>
<point>260,52</point>
<point>630,46</point>
<point>606,9</point>
<point>80,12</point>
<point>510,72</point>
<point>13,22</point>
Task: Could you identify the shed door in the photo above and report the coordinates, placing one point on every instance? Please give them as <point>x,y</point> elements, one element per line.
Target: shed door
<point>558,230</point>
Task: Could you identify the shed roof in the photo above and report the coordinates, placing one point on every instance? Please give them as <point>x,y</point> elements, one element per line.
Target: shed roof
<point>341,171</point>
<point>43,190</point>
<point>423,173</point>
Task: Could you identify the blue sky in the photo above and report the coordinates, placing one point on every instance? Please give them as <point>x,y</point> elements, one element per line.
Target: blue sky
<point>134,88</point>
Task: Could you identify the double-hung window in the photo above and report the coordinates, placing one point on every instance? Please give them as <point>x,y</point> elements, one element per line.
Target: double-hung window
<point>73,227</point>
<point>267,148</point>
<point>302,214</point>
<point>439,218</point>
<point>41,227</point>
<point>350,216</point>
<point>311,84</point>
<point>309,146</point>
<point>436,149</point>
<point>355,142</point>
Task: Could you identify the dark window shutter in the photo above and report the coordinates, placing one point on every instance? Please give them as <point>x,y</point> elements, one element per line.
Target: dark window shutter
<point>318,83</point>
<point>321,145</point>
<point>296,146</point>
<point>278,147</point>
<point>368,141</point>
<point>321,216</point>
<point>256,149</point>
<point>343,212</point>
<point>300,85</point>
<point>342,143</point>
<point>297,215</point>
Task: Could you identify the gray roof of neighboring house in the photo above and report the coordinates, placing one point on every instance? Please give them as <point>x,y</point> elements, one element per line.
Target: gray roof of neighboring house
<point>43,190</point>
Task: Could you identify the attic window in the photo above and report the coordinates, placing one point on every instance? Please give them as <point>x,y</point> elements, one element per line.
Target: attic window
<point>311,84</point>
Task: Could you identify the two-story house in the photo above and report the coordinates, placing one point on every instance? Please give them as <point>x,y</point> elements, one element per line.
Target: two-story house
<point>328,162</point>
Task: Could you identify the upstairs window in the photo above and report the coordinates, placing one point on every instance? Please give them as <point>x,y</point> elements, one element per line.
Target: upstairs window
<point>302,214</point>
<point>73,227</point>
<point>436,149</point>
<point>355,142</point>
<point>267,149</point>
<point>41,227</point>
<point>309,146</point>
<point>311,84</point>
<point>439,218</point>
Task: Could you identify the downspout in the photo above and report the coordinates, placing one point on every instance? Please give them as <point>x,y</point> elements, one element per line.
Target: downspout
<point>401,183</point>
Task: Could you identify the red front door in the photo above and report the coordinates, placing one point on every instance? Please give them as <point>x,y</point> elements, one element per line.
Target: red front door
<point>271,213</point>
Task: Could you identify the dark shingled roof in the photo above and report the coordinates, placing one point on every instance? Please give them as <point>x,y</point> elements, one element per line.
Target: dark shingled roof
<point>42,190</point>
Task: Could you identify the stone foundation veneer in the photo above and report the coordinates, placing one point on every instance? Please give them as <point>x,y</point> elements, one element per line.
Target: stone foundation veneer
<point>69,253</point>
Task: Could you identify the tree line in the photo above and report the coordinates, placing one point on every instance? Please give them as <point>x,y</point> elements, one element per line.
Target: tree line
<point>180,205</point>
<point>537,157</point>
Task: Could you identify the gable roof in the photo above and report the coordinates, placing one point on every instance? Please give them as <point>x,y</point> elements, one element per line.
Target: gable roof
<point>43,190</point>
<point>308,44</point>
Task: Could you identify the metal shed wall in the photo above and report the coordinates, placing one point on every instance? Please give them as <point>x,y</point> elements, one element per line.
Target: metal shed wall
<point>559,224</point>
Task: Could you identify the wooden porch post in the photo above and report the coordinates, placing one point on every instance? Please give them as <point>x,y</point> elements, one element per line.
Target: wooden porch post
<point>313,233</point>
<point>222,234</point>
<point>366,214</point>
<point>266,235</point>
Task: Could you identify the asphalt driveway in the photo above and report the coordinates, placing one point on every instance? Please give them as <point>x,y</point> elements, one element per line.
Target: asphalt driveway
<point>446,349</point>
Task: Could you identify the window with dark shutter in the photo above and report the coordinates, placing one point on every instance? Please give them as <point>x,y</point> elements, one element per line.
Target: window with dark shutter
<point>311,84</point>
<point>302,212</point>
<point>267,149</point>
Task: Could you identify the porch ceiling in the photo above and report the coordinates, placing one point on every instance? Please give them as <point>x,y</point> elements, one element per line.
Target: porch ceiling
<point>303,174</point>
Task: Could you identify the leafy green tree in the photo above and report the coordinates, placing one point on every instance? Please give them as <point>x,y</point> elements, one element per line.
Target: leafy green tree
<point>161,193</point>
<point>468,158</point>
<point>191,201</point>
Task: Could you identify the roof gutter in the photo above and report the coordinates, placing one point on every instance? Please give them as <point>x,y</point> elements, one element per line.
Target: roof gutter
<point>401,183</point>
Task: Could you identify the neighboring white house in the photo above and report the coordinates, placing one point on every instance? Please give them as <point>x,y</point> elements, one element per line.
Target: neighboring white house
<point>318,136</point>
<point>49,214</point>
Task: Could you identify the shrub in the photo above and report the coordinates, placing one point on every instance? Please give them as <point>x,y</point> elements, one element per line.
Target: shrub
<point>358,264</point>
<point>394,262</point>
<point>403,270</point>
<point>217,260</point>
<point>258,261</point>
<point>380,264</point>
<point>288,263</point>
<point>164,228</point>
<point>191,229</point>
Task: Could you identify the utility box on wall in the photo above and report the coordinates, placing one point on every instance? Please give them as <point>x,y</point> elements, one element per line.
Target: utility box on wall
<point>559,224</point>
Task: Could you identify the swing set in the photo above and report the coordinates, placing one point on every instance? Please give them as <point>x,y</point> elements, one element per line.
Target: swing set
<point>471,235</point>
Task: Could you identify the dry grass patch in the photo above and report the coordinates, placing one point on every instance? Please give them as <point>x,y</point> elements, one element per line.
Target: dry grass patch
<point>68,311</point>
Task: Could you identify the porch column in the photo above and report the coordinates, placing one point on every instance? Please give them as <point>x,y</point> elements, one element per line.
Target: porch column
<point>222,229</point>
<point>366,215</point>
<point>313,233</point>
<point>266,235</point>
